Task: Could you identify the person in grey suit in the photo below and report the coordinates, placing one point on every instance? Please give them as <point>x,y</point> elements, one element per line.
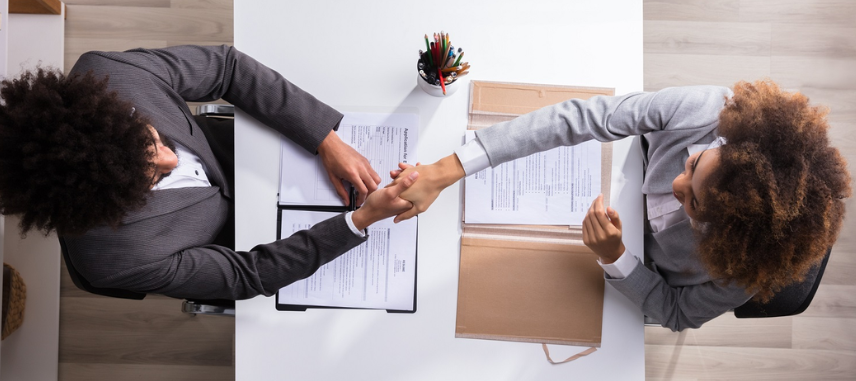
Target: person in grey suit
<point>743,192</point>
<point>111,159</point>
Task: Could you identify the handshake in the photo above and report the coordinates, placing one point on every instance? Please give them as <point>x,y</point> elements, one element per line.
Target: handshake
<point>413,190</point>
<point>403,198</point>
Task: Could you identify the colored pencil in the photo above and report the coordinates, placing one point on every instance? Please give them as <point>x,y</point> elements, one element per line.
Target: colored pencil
<point>458,61</point>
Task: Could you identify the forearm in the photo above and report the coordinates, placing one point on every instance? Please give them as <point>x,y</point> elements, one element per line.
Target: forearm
<point>269,97</point>
<point>450,170</point>
<point>603,119</point>
<point>216,272</point>
<point>678,308</point>
<point>567,123</point>
<point>205,73</point>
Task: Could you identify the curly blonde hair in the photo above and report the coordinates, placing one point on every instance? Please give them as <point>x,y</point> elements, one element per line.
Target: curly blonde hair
<point>776,198</point>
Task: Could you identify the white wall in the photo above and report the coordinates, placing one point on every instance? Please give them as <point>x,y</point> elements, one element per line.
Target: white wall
<point>31,352</point>
<point>34,39</point>
<point>4,22</point>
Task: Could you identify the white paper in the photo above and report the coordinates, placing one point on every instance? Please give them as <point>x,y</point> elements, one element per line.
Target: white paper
<point>384,139</point>
<point>554,187</point>
<point>378,274</point>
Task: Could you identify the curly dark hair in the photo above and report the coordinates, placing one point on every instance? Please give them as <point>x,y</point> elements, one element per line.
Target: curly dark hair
<point>776,197</point>
<point>72,155</point>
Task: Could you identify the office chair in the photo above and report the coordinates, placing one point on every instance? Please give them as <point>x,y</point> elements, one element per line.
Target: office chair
<point>789,301</point>
<point>216,110</point>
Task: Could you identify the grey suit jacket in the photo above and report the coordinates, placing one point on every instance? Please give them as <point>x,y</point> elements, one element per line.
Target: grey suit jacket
<point>678,291</point>
<point>166,246</point>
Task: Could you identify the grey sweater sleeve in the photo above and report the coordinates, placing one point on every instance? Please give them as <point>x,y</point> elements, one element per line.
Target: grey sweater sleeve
<point>603,118</point>
<point>678,308</point>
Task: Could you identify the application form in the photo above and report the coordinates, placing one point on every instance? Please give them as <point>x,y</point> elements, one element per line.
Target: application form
<point>554,187</point>
<point>383,139</point>
<point>378,274</point>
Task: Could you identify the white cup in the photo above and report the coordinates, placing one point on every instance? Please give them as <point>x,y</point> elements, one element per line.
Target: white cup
<point>436,90</point>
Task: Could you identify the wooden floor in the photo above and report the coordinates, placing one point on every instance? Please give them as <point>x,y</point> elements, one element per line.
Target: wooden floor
<point>805,45</point>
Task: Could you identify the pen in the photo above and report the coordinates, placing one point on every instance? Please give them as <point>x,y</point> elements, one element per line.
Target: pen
<point>459,58</point>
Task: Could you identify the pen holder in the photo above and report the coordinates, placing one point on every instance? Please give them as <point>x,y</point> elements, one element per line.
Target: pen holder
<point>436,90</point>
<point>439,68</point>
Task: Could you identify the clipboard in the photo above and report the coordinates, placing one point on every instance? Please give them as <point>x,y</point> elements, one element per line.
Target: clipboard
<point>302,307</point>
<point>313,193</point>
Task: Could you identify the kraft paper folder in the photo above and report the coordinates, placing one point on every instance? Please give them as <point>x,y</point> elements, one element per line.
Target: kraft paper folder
<point>529,283</point>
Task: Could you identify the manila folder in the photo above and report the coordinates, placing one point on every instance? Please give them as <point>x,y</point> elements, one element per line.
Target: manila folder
<point>519,291</point>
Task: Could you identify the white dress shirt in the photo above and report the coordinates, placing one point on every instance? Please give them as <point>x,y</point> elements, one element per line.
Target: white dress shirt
<point>190,172</point>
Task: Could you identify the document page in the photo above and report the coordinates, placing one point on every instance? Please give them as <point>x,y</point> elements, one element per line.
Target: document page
<point>379,274</point>
<point>554,187</point>
<point>384,139</point>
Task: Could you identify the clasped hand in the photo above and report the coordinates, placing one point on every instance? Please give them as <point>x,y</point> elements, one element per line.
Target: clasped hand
<point>433,178</point>
<point>602,231</point>
<point>342,162</point>
<point>384,203</point>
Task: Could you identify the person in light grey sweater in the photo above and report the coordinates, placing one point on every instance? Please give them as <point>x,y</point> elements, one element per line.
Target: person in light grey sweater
<point>743,192</point>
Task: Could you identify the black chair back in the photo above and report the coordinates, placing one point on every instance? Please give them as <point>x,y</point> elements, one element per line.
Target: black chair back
<point>791,300</point>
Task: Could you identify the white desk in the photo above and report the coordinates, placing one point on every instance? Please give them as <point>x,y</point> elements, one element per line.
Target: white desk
<point>361,56</point>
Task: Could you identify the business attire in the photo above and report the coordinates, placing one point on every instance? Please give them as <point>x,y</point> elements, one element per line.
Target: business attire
<point>167,247</point>
<point>676,290</point>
